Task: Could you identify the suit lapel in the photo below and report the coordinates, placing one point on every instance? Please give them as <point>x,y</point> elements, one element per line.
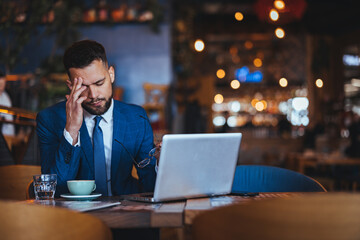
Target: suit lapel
<point>87,147</point>
<point>119,126</point>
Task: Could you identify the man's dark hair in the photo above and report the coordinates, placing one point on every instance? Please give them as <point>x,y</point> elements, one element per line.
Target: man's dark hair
<point>81,54</point>
<point>2,74</point>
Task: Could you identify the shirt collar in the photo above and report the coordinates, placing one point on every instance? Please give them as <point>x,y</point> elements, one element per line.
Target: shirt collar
<point>107,116</point>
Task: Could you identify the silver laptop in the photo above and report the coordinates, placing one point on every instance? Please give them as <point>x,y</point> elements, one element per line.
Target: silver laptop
<point>194,165</point>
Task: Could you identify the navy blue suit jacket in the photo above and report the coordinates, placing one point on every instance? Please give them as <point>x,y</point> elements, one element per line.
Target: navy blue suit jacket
<point>131,128</point>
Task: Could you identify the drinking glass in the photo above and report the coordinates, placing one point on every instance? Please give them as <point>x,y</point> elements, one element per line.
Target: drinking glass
<point>44,186</point>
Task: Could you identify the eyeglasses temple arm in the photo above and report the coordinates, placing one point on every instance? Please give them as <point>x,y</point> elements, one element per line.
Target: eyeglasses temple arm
<point>127,152</point>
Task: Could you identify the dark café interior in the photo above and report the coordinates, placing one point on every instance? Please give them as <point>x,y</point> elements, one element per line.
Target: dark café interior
<point>282,76</point>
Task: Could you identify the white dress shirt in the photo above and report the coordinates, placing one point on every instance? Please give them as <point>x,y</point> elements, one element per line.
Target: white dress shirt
<point>106,125</point>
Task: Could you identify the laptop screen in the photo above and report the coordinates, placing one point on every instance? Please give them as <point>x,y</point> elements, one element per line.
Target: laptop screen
<point>195,165</point>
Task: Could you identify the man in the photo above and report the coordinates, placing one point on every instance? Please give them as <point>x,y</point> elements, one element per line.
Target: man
<point>75,135</point>
<point>7,129</point>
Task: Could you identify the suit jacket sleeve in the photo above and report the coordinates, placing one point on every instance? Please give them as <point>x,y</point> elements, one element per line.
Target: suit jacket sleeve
<point>147,175</point>
<point>57,155</point>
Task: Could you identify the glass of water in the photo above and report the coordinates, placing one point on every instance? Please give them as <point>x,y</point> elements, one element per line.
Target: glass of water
<point>44,186</point>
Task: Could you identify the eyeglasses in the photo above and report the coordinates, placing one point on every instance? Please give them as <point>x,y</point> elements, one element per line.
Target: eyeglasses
<point>154,152</point>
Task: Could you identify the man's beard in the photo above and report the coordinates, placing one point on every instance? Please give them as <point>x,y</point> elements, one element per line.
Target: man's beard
<point>97,110</point>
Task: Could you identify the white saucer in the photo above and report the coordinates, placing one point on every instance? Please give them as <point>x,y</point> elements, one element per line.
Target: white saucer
<point>81,197</point>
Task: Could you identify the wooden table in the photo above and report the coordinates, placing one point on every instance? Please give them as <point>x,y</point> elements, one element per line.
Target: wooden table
<point>176,214</point>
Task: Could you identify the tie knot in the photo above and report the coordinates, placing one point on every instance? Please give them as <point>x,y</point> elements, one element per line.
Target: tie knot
<point>97,120</point>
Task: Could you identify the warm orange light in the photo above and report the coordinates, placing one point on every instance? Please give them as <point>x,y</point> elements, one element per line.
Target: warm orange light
<point>218,98</point>
<point>4,111</point>
<point>283,82</point>
<point>280,33</point>
<point>249,45</point>
<point>279,4</point>
<point>257,62</point>
<point>319,83</point>
<point>254,101</point>
<point>199,45</point>
<point>239,16</point>
<point>220,73</point>
<point>264,103</point>
<point>235,84</point>
<point>259,106</point>
<point>274,15</point>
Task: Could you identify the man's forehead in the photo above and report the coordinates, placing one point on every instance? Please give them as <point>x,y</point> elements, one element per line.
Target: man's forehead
<point>93,72</point>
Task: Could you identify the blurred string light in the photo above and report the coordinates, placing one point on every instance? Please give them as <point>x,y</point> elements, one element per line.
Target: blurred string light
<point>235,84</point>
<point>264,103</point>
<point>219,98</point>
<point>300,103</point>
<point>239,16</point>
<point>319,83</point>
<point>254,101</point>
<point>257,62</point>
<point>279,33</point>
<point>199,45</point>
<point>259,106</point>
<point>274,15</point>
<point>283,107</point>
<point>220,73</point>
<point>279,4</point>
<point>283,82</point>
<point>234,106</point>
<point>217,107</point>
<point>219,121</point>
<point>231,121</point>
<point>299,111</point>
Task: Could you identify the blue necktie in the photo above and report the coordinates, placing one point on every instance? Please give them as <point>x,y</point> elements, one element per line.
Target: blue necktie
<point>99,158</point>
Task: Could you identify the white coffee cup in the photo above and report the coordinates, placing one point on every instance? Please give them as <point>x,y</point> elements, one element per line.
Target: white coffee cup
<point>81,187</point>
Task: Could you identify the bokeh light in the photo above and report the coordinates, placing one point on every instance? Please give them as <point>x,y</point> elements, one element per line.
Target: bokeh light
<point>235,84</point>
<point>218,98</point>
<point>199,45</point>
<point>219,121</point>
<point>274,15</point>
<point>257,62</point>
<point>319,83</point>
<point>279,4</point>
<point>239,16</point>
<point>220,73</point>
<point>259,106</point>
<point>280,33</point>
<point>283,82</point>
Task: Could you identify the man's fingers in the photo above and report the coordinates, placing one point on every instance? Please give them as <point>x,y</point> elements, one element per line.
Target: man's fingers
<point>81,99</point>
<point>67,96</point>
<point>79,83</point>
<point>68,83</point>
<point>78,92</point>
<point>73,86</point>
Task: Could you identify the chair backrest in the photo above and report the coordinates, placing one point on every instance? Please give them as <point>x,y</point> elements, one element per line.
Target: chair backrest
<point>320,216</point>
<point>258,178</point>
<point>14,180</point>
<point>30,221</point>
